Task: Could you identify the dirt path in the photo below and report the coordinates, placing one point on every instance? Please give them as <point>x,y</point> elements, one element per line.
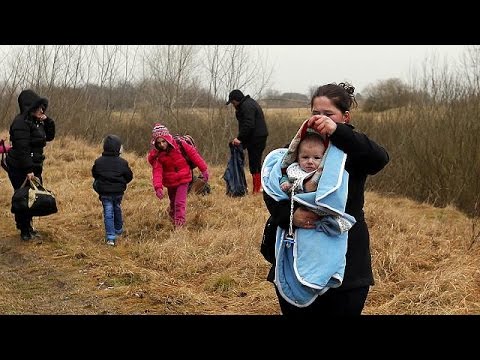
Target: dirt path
<point>37,279</point>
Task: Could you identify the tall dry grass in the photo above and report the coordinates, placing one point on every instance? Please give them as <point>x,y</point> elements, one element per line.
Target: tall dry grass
<point>425,259</point>
<point>434,153</point>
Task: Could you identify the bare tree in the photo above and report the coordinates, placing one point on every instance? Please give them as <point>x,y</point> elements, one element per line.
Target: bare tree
<point>91,86</point>
<point>172,69</point>
<point>470,68</point>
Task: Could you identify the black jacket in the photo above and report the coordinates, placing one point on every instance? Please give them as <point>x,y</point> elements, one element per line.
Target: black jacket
<point>251,121</point>
<point>364,157</point>
<point>29,135</point>
<point>111,172</point>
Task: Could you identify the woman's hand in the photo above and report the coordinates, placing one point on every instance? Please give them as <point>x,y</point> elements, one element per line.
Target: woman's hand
<point>322,124</point>
<point>39,113</point>
<point>304,218</point>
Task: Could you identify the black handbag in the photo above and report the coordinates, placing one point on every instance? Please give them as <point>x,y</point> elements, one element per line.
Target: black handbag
<point>34,199</point>
<point>269,237</point>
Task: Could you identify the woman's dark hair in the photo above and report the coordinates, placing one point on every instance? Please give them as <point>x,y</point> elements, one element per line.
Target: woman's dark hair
<point>341,95</point>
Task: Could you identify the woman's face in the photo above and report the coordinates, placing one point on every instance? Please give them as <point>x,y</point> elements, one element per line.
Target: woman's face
<point>324,106</point>
<point>161,143</point>
<point>39,113</point>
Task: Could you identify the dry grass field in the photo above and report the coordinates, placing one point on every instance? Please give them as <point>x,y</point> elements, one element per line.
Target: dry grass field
<point>425,258</point>
<point>298,115</point>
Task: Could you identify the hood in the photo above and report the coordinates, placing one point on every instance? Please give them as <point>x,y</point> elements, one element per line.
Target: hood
<point>167,137</point>
<point>29,100</point>
<point>112,145</point>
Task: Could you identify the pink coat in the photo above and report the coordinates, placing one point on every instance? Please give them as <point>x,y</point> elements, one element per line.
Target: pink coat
<point>169,168</point>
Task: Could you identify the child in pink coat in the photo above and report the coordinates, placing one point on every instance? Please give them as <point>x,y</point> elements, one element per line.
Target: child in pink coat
<point>170,169</point>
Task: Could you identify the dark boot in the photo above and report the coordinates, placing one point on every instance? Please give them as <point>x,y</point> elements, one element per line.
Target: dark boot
<point>25,234</point>
<point>33,232</point>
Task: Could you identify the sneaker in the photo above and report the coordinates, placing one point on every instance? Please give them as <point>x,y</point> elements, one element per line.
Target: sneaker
<point>119,232</point>
<point>111,242</point>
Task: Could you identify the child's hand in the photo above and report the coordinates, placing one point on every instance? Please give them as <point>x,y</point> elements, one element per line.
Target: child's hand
<point>205,175</point>
<point>159,193</point>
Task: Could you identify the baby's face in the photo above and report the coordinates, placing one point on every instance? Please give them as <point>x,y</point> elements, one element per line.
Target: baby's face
<point>310,155</point>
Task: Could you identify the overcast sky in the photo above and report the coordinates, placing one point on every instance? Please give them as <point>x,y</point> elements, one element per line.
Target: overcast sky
<point>298,67</point>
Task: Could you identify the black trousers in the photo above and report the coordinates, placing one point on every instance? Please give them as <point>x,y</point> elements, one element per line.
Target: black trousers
<point>334,302</point>
<point>255,150</point>
<point>17,177</point>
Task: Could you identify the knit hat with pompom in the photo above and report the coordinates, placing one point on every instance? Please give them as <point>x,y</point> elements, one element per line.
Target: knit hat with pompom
<point>159,130</point>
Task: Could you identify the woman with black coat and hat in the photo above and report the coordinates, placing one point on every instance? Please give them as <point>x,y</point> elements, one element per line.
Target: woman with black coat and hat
<point>30,131</point>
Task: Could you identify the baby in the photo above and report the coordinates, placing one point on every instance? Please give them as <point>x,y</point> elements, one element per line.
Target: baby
<point>309,159</point>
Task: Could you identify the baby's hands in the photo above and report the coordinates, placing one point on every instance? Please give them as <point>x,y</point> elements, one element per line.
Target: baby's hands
<point>286,186</point>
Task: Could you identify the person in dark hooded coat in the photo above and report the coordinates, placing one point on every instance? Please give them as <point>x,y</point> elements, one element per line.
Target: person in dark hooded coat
<point>252,132</point>
<point>112,174</point>
<point>30,131</point>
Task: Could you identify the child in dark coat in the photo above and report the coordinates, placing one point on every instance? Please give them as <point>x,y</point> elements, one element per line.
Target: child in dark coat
<point>112,174</point>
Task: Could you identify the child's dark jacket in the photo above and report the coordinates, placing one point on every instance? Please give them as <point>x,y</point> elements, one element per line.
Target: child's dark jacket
<point>111,172</point>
